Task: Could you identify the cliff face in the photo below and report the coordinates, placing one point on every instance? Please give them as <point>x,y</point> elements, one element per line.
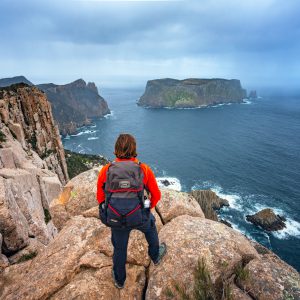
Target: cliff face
<point>74,104</point>
<point>26,114</point>
<point>32,171</point>
<point>189,93</point>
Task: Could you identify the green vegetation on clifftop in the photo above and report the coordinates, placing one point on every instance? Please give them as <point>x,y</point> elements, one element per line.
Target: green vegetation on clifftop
<point>78,163</point>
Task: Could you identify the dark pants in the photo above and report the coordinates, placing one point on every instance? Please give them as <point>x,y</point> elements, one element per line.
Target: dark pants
<point>119,238</point>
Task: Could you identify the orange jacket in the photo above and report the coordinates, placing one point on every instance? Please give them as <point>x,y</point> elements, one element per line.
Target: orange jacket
<point>149,182</point>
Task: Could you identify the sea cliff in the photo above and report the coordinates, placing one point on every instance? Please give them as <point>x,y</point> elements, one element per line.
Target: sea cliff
<point>191,93</point>
<point>75,104</point>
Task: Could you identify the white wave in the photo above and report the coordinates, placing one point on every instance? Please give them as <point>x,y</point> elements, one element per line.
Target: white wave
<point>221,104</point>
<point>247,101</point>
<point>93,138</point>
<point>93,126</point>
<point>84,132</point>
<point>111,115</point>
<point>67,137</point>
<point>233,199</point>
<point>174,183</point>
<point>292,229</point>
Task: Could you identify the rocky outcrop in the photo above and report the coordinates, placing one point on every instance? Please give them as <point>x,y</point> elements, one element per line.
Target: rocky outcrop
<point>267,219</point>
<point>32,171</point>
<point>174,204</point>
<point>268,277</point>
<point>74,265</point>
<point>222,248</point>
<point>209,202</point>
<point>74,104</point>
<point>189,93</point>
<point>77,264</point>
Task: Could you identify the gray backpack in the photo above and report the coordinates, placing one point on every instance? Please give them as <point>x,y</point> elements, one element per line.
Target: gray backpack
<point>124,196</point>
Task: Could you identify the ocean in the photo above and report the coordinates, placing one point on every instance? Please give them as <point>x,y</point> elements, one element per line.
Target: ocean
<point>247,153</point>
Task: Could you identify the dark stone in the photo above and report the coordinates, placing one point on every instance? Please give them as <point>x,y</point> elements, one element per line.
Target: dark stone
<point>267,220</point>
<point>165,182</point>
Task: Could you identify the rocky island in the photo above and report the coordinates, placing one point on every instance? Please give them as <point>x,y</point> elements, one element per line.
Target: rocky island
<point>191,93</point>
<point>53,246</point>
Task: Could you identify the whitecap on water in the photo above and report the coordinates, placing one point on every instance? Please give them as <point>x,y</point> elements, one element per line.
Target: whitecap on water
<point>93,138</point>
<point>247,101</point>
<point>169,182</point>
<point>84,132</point>
<point>292,229</point>
<point>111,115</point>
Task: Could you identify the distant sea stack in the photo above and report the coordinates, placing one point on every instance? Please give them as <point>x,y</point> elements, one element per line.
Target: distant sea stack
<point>191,93</point>
<point>74,104</point>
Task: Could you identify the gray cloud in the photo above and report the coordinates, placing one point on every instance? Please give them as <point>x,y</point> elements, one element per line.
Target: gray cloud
<point>117,42</point>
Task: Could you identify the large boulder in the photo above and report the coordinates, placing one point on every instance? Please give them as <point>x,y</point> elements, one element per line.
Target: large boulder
<point>267,219</point>
<point>189,240</point>
<point>13,225</point>
<point>76,264</point>
<point>83,194</point>
<point>268,277</point>
<point>24,190</point>
<point>78,196</point>
<point>174,204</point>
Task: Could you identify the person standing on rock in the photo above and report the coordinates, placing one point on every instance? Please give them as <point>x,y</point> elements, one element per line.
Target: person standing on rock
<point>123,206</point>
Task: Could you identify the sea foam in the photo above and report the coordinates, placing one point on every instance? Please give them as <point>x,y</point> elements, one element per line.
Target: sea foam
<point>111,115</point>
<point>84,132</point>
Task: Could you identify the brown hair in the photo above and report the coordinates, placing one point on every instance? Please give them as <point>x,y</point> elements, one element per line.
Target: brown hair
<point>125,146</point>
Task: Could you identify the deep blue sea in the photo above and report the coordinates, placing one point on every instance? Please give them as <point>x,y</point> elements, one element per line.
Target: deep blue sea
<point>247,153</point>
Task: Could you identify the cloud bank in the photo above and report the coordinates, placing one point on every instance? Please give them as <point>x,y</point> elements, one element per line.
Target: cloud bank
<point>125,43</point>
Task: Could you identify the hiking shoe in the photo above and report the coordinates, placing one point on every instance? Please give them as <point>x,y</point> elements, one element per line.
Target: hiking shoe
<point>117,284</point>
<point>161,253</point>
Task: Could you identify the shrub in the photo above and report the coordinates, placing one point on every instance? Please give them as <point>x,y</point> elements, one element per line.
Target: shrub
<point>204,288</point>
<point>47,216</point>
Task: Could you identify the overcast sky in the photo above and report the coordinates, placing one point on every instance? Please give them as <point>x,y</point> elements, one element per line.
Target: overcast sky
<point>125,43</point>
